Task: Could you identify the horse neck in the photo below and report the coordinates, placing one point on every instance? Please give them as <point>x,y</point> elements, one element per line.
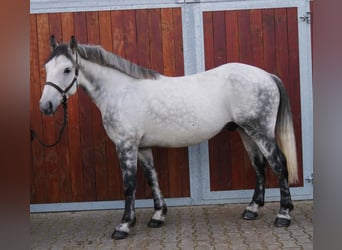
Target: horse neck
<point>98,80</point>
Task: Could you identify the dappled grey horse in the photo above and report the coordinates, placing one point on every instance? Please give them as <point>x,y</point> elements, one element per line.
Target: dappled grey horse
<point>141,109</point>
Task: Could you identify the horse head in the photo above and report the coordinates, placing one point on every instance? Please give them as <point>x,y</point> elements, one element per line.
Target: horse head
<point>61,75</point>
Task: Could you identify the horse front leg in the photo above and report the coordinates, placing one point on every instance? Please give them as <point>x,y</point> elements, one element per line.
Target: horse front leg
<point>145,158</point>
<point>127,155</point>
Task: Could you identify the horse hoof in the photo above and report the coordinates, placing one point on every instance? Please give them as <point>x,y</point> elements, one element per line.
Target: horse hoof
<point>119,235</point>
<point>155,223</point>
<point>249,215</point>
<point>282,222</point>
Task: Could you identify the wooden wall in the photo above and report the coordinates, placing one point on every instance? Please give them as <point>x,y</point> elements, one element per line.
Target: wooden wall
<point>266,38</point>
<point>83,166</point>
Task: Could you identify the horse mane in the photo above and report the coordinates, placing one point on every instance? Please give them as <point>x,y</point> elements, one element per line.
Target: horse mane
<point>97,54</point>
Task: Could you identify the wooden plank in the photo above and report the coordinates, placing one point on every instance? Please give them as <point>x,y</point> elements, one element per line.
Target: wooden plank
<point>238,155</point>
<point>117,32</point>
<point>256,35</point>
<point>62,148</point>
<point>281,44</point>
<point>161,163</point>
<point>86,121</point>
<point>48,121</point>
<point>268,27</point>
<point>232,36</point>
<point>113,175</point>
<point>294,84</point>
<point>105,30</point>
<point>76,175</point>
<point>99,136</point>
<point>208,40</point>
<point>220,162</point>
<point>38,177</point>
<point>143,40</point>
<point>114,172</point>
<point>168,41</point>
<point>219,35</point>
<point>219,146</point>
<point>244,36</point>
<point>156,41</point>
<point>130,36</point>
<point>178,34</point>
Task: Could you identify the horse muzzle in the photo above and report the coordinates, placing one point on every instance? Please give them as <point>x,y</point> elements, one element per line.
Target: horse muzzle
<point>47,108</point>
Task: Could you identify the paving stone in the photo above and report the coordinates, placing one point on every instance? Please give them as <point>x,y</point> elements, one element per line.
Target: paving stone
<point>196,227</point>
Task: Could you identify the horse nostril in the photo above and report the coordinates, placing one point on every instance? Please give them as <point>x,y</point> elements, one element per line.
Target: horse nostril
<point>50,106</point>
<point>46,108</point>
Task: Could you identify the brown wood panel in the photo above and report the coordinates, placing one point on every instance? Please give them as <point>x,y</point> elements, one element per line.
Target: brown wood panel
<point>62,163</point>
<point>50,154</point>
<point>38,180</point>
<point>99,136</point>
<point>73,126</point>
<point>178,38</point>
<point>266,38</point>
<point>85,166</point>
<point>293,84</point>
<point>86,120</point>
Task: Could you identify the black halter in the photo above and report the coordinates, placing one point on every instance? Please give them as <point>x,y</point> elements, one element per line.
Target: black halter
<point>65,106</point>
<point>65,91</point>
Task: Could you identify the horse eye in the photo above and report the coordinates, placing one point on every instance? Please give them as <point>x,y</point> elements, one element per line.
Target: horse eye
<point>67,71</point>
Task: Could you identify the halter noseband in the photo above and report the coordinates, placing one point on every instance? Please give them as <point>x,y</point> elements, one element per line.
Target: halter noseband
<point>65,91</point>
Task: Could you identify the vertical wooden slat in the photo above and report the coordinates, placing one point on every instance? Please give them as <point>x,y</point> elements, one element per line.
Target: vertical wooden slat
<point>219,43</point>
<point>155,41</point>
<point>117,21</point>
<point>38,177</point>
<point>269,40</point>
<point>48,122</point>
<point>208,40</point>
<point>143,41</point>
<point>113,175</point>
<point>178,37</point>
<point>244,36</point>
<point>76,173</point>
<point>115,182</point>
<point>130,36</point>
<point>294,83</point>
<point>257,45</point>
<point>99,140</point>
<point>220,160</point>
<point>232,36</point>
<point>86,121</point>
<point>168,41</point>
<point>62,148</point>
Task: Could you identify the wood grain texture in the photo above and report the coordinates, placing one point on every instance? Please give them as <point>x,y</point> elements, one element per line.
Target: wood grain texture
<point>84,167</point>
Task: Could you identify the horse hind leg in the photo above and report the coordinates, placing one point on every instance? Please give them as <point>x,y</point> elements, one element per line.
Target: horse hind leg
<point>145,158</point>
<point>277,161</point>
<point>258,162</point>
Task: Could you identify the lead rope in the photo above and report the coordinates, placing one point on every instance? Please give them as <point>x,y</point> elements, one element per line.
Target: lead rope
<point>34,134</point>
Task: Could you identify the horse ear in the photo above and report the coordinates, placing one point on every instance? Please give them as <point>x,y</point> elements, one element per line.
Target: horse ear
<point>73,43</point>
<point>53,42</point>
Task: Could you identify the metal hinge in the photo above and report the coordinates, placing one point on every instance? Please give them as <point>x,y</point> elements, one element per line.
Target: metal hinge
<point>306,17</point>
<point>310,178</point>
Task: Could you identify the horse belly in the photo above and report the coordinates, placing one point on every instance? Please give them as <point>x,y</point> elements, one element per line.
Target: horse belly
<point>179,126</point>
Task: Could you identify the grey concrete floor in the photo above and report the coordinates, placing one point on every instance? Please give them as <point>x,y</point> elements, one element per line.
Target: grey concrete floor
<point>193,227</point>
